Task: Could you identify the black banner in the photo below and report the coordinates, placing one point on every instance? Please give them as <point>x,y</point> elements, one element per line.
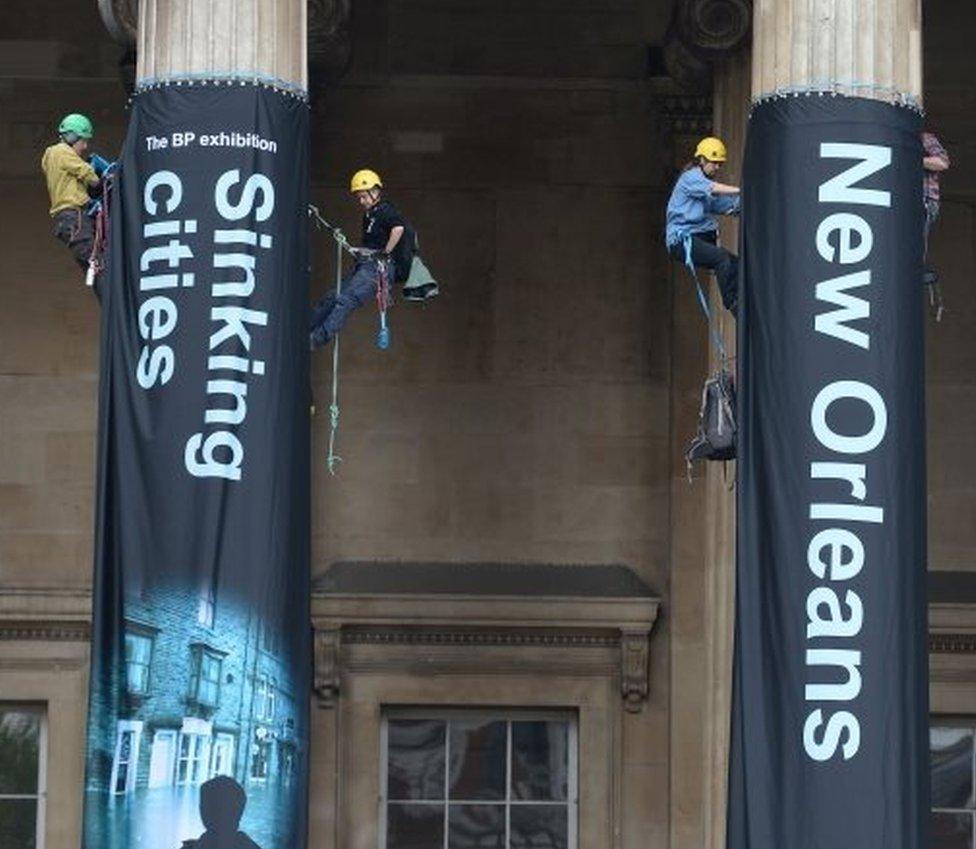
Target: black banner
<point>830,694</point>
<point>198,718</point>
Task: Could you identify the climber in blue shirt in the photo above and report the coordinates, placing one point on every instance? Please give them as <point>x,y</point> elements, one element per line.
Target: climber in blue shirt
<point>691,225</point>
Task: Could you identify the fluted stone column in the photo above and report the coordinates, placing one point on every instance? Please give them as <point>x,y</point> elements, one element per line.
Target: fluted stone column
<point>258,39</point>
<point>731,112</point>
<point>860,48</point>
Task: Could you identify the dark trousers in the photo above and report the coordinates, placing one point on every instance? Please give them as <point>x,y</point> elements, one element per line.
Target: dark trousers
<point>705,253</point>
<point>331,311</point>
<point>74,228</point>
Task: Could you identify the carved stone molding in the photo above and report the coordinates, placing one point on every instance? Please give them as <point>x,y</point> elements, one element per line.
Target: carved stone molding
<point>356,636</point>
<point>940,643</point>
<point>634,669</point>
<point>704,32</point>
<point>451,655</point>
<point>50,630</point>
<point>689,115</point>
<point>713,28</point>
<point>326,681</point>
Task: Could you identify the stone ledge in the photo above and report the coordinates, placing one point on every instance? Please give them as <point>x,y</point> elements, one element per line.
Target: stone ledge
<point>515,611</point>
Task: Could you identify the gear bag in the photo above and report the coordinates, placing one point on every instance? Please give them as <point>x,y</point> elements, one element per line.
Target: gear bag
<point>715,439</point>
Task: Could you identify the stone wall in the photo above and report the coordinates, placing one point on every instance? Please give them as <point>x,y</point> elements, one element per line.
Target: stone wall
<point>950,103</point>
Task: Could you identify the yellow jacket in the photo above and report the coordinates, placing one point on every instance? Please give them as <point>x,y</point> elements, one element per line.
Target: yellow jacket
<point>68,177</point>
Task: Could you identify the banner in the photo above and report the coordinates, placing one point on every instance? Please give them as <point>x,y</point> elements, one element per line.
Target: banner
<point>830,692</point>
<point>198,716</point>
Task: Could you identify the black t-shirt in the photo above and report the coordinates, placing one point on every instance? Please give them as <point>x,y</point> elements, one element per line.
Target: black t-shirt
<point>378,221</point>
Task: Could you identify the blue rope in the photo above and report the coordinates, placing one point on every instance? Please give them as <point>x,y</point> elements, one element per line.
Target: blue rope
<point>703,300</point>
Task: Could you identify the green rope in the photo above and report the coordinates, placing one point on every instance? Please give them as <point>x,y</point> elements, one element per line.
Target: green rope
<point>334,459</point>
<point>342,243</point>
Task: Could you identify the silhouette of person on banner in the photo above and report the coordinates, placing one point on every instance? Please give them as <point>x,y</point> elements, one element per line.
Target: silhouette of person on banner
<point>222,802</point>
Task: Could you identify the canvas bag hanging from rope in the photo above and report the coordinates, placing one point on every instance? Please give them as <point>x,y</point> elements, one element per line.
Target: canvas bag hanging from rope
<point>715,439</point>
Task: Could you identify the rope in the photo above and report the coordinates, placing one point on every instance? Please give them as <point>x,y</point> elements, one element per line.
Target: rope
<point>342,244</point>
<point>703,302</point>
<point>382,302</point>
<point>96,264</point>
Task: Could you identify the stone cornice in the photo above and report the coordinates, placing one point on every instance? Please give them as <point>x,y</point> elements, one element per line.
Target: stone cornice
<point>454,625</point>
<point>49,614</point>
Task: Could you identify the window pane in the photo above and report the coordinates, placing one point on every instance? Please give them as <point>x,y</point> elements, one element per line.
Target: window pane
<point>952,767</point>
<point>540,761</point>
<point>476,826</point>
<point>539,827</point>
<point>951,831</point>
<point>19,735</point>
<point>478,751</point>
<point>18,823</point>
<point>414,826</point>
<point>415,759</point>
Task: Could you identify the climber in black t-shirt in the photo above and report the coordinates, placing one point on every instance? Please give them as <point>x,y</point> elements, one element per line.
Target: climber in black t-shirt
<point>388,247</point>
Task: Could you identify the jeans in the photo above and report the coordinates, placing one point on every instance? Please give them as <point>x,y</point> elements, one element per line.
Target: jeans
<point>74,228</point>
<point>331,311</point>
<point>705,253</point>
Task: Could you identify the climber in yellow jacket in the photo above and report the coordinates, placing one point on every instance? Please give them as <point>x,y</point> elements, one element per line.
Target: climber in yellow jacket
<point>70,177</point>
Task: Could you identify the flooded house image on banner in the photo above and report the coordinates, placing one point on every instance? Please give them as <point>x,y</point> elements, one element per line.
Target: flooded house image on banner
<point>207,693</point>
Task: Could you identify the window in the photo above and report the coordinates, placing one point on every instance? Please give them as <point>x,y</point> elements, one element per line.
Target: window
<point>207,606</point>
<point>205,686</point>
<point>953,803</point>
<point>264,699</point>
<point>270,639</point>
<point>23,742</point>
<point>260,755</point>
<point>126,759</point>
<point>461,780</point>
<point>222,757</point>
<point>191,767</point>
<point>138,653</point>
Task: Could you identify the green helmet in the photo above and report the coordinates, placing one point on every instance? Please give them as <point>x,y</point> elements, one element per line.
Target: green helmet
<point>77,124</point>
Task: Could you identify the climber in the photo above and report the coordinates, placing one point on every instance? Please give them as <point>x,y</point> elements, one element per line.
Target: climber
<point>71,181</point>
<point>691,232</point>
<point>388,247</point>
<point>935,160</point>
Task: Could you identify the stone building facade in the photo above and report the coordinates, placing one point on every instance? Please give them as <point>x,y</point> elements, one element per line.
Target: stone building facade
<point>512,534</point>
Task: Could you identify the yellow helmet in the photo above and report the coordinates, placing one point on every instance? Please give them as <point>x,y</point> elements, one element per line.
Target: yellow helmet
<point>712,149</point>
<point>364,180</point>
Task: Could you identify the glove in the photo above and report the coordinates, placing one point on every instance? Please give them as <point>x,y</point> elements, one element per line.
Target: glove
<point>100,164</point>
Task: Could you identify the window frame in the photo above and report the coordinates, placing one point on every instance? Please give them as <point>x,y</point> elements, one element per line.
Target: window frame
<point>150,638</point>
<point>197,759</point>
<point>487,714</point>
<point>133,727</point>
<point>207,606</point>
<point>40,710</point>
<point>961,723</point>
<point>201,652</point>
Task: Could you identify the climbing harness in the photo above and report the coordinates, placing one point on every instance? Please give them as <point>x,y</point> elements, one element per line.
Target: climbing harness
<point>382,303</point>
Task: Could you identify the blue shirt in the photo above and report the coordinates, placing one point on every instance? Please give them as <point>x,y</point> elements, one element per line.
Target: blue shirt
<point>692,207</point>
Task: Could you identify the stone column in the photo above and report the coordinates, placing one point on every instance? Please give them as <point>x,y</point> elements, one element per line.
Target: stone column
<point>863,48</point>
<point>860,48</point>
<point>255,39</point>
